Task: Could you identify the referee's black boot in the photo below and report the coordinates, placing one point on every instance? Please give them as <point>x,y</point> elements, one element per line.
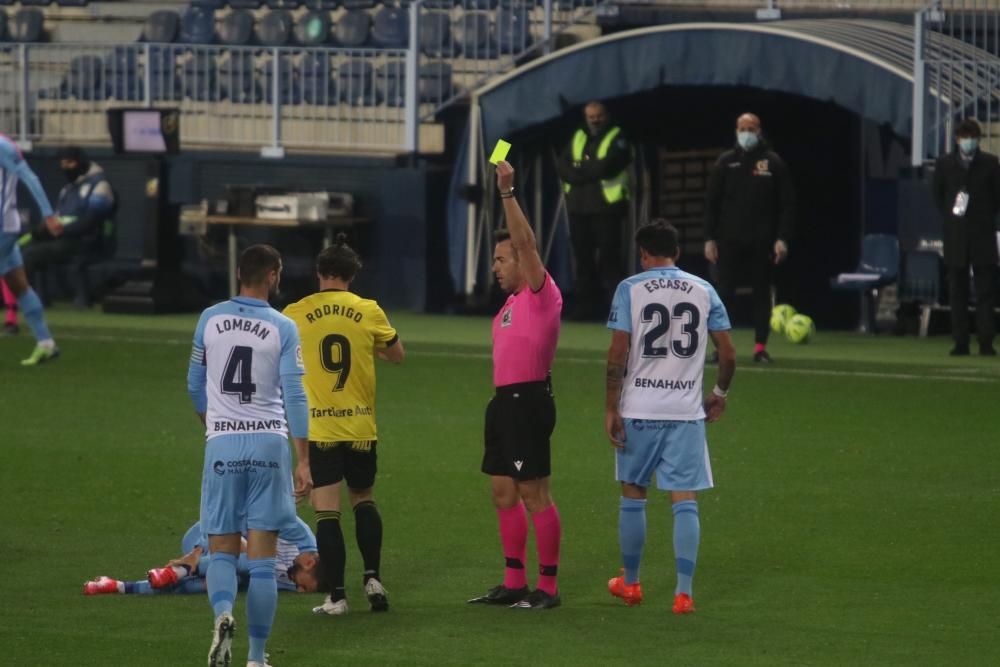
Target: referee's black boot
<point>538,599</point>
<point>960,350</point>
<point>502,595</point>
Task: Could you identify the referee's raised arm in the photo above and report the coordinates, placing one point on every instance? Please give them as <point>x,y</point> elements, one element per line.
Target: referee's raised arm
<point>522,238</point>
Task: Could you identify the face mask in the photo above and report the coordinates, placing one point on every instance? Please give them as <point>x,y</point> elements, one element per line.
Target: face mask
<point>747,140</point>
<point>72,174</point>
<point>968,145</point>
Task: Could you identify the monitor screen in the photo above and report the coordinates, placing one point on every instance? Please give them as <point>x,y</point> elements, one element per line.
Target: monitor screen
<point>149,131</point>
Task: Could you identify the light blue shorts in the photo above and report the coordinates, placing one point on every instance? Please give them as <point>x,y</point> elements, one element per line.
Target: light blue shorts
<point>10,253</point>
<point>676,451</point>
<point>246,483</point>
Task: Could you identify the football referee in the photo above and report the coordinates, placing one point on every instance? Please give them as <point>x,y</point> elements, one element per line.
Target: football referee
<point>521,416</point>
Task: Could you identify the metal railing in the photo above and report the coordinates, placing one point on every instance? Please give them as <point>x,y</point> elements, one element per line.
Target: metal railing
<point>829,5</point>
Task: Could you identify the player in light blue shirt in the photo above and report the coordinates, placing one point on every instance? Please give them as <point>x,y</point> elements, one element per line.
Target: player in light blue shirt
<point>14,169</point>
<point>245,378</point>
<point>661,320</point>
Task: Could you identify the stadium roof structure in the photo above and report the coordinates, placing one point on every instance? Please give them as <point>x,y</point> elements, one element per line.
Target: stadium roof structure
<point>863,65</point>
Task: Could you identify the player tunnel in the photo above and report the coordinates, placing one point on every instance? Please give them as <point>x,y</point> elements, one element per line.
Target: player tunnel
<point>836,99</point>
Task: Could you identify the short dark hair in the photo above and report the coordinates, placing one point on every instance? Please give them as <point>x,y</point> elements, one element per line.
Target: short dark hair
<point>501,235</point>
<point>658,237</point>
<point>339,260</point>
<point>74,153</point>
<point>969,128</point>
<point>256,262</point>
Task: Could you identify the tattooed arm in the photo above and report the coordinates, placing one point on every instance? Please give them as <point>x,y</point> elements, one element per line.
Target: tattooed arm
<point>617,357</point>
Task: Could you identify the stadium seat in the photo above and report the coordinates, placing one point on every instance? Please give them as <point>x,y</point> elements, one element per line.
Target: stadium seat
<point>72,3</point>
<point>318,87</point>
<point>390,82</point>
<point>478,4</point>
<point>475,34</point>
<point>275,29</point>
<point>209,4</point>
<point>245,4</point>
<point>357,4</point>
<point>435,35</point>
<point>198,25</point>
<point>289,85</point>
<point>85,79</point>
<point>3,26</point>
<point>239,82</point>
<point>162,26</point>
<point>28,25</point>
<point>391,28</point>
<point>355,82</point>
<point>352,28</point>
<point>121,74</point>
<point>283,4</point>
<point>35,3</point>
<point>322,5</point>
<point>435,83</point>
<point>432,4</point>
<point>513,30</point>
<point>236,28</point>
<point>921,284</point>
<point>313,28</point>
<point>878,267</point>
<point>200,80</point>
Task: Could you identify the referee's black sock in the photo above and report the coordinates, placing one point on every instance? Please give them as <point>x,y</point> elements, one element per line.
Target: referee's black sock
<point>368,529</point>
<point>332,553</point>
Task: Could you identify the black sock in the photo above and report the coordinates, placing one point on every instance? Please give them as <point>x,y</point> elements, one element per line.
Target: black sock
<point>368,529</point>
<point>332,553</point>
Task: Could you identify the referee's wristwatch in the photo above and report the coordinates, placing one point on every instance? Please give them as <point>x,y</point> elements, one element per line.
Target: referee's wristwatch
<point>508,194</point>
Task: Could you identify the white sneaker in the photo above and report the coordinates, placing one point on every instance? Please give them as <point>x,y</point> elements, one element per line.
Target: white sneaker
<point>338,608</point>
<point>220,654</point>
<point>378,598</point>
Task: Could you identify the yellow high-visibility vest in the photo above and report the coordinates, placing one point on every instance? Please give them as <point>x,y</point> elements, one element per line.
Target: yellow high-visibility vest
<point>615,189</point>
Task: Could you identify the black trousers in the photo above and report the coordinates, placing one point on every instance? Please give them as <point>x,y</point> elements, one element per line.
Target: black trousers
<point>597,249</point>
<point>748,263</point>
<point>44,255</point>
<point>958,299</point>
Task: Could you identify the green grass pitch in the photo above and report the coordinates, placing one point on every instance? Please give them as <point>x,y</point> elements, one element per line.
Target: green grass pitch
<point>856,519</point>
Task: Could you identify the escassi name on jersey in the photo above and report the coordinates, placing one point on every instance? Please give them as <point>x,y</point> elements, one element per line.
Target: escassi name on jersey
<point>668,283</point>
<point>328,309</point>
<point>239,324</point>
<point>659,383</point>
<point>356,411</point>
<point>256,425</point>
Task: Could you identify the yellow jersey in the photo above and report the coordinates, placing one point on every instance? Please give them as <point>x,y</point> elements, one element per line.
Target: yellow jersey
<point>340,332</point>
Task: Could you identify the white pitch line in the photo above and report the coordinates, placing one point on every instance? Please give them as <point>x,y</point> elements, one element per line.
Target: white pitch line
<point>104,338</point>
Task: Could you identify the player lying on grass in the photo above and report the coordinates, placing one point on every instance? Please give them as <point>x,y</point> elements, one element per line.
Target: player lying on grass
<point>296,568</point>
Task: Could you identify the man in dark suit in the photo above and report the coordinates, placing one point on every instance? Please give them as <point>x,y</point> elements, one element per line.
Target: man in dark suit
<point>967,193</point>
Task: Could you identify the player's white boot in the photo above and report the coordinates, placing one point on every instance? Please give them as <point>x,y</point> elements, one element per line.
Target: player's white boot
<point>338,608</point>
<point>378,598</point>
<point>220,654</point>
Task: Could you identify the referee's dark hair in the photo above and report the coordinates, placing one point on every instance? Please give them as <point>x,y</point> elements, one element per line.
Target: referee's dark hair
<point>501,235</point>
<point>339,260</point>
<point>969,128</point>
<point>658,238</point>
<point>256,262</point>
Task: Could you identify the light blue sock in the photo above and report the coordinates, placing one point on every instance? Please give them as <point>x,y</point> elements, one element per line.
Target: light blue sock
<point>221,580</point>
<point>184,586</point>
<point>632,535</point>
<point>262,600</point>
<point>687,535</point>
<point>34,314</point>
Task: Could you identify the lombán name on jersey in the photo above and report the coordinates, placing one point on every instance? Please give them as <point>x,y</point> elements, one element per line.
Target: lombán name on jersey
<point>253,327</point>
<point>661,383</point>
<point>356,411</point>
<point>333,309</point>
<point>247,426</point>
<point>668,283</point>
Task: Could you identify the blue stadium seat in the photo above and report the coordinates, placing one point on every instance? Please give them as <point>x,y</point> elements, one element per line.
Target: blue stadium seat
<point>352,29</point>
<point>245,4</point>
<point>435,83</point>
<point>198,25</point>
<point>391,28</point>
<point>513,30</point>
<point>289,84</point>
<point>3,26</point>
<point>239,82</point>
<point>318,87</point>
<point>209,4</point>
<point>121,74</point>
<point>322,5</point>
<point>85,79</point>
<point>35,3</point>
<point>313,28</point>
<point>475,34</point>
<point>283,4</point>
<point>236,28</point>
<point>358,4</point>
<point>355,83</point>
<point>72,3</point>
<point>390,82</point>
<point>28,25</point>
<point>433,4</point>
<point>163,58</point>
<point>201,81</point>
<point>436,40</point>
<point>478,4</point>
<point>878,267</point>
<point>161,26</point>
<point>275,29</point>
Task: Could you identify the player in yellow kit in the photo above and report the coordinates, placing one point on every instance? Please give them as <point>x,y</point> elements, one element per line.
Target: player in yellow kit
<point>341,333</point>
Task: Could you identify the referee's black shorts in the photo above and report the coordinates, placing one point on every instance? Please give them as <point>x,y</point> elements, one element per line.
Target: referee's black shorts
<point>520,419</point>
<point>355,461</point>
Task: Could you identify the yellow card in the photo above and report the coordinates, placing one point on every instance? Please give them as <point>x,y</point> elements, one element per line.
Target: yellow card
<point>500,152</point>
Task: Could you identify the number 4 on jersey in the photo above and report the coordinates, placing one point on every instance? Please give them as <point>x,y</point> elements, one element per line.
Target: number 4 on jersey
<point>236,378</point>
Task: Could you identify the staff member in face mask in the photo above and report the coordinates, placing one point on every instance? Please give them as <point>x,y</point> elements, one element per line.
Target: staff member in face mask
<point>85,203</point>
<point>595,175</point>
<point>967,193</point>
<point>749,219</point>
